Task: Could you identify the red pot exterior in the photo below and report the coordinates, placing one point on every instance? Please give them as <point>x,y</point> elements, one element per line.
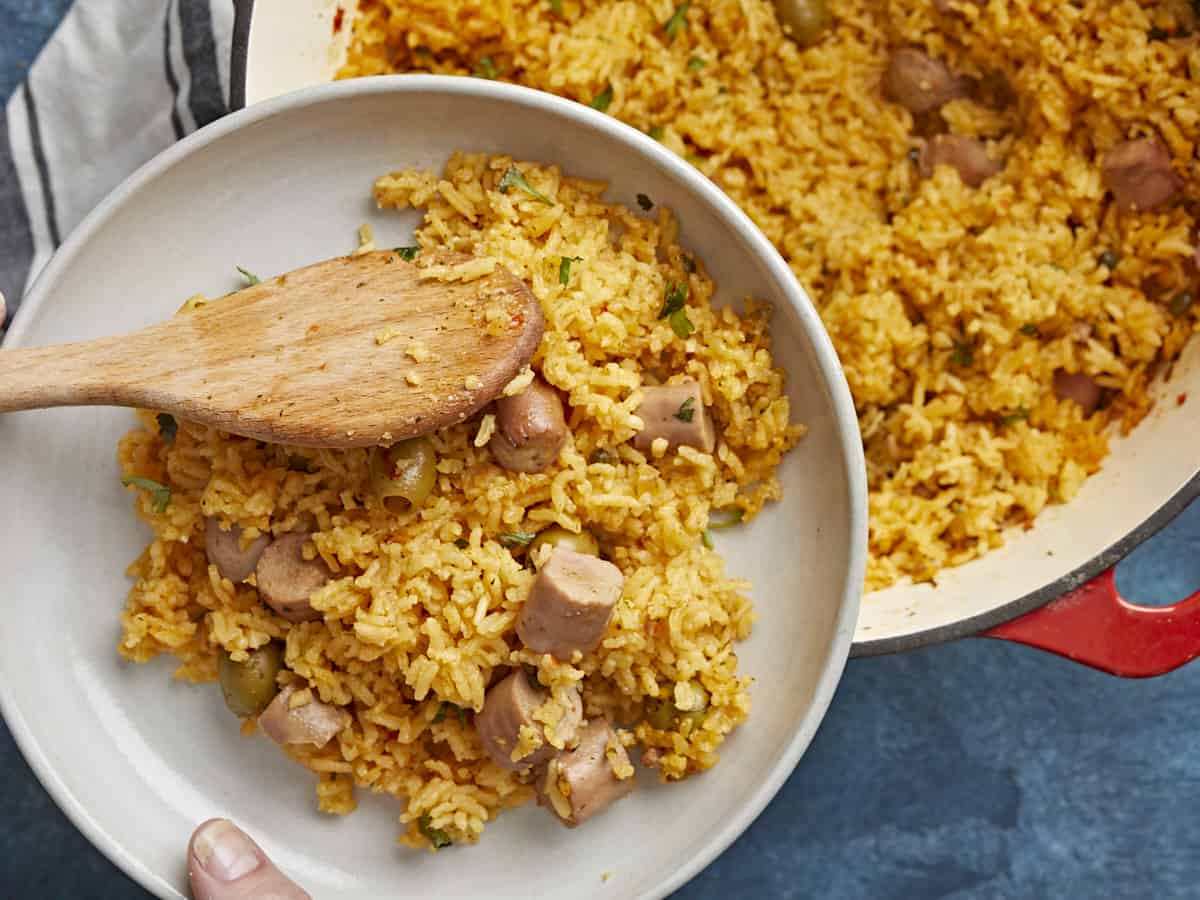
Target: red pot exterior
<point>1095,626</point>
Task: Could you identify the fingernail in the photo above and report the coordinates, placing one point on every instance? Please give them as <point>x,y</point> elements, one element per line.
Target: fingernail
<point>223,851</point>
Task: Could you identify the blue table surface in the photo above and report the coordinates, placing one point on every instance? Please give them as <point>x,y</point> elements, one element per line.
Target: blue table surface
<point>977,769</point>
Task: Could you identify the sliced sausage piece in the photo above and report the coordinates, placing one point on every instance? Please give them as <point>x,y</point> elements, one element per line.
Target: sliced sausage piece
<point>582,782</point>
<point>530,429</point>
<point>1078,387</point>
<point>1139,173</point>
<point>286,580</point>
<point>508,707</point>
<point>310,722</point>
<point>675,412</point>
<point>570,603</point>
<point>965,155</point>
<point>920,83</point>
<point>224,549</point>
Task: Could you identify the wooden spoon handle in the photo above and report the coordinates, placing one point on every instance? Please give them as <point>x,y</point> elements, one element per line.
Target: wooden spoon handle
<point>106,371</point>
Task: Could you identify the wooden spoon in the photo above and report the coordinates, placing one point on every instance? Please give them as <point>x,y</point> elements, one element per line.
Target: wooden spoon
<point>350,352</point>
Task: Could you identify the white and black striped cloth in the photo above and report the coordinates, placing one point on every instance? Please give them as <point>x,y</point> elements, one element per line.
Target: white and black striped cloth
<point>117,83</point>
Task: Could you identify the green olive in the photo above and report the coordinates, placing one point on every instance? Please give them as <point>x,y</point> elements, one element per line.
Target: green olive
<point>696,717</point>
<point>557,536</point>
<point>804,21</point>
<point>660,713</point>
<point>250,686</point>
<point>403,475</point>
<point>663,715</point>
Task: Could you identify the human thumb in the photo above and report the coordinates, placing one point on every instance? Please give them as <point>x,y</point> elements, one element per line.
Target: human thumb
<point>225,864</point>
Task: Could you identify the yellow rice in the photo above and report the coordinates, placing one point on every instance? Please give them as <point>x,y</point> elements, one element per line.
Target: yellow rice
<point>421,610</point>
<point>906,272</point>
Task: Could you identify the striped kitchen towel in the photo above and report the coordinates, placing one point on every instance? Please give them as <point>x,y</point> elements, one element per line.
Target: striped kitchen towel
<point>116,84</point>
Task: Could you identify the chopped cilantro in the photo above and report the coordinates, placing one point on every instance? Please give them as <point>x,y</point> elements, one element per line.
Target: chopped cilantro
<point>681,324</point>
<point>696,63</point>
<point>656,132</point>
<point>674,300</point>
<point>645,202</point>
<point>1012,418</point>
<point>603,99</point>
<point>436,836</point>
<point>725,518</point>
<point>517,538</point>
<point>1109,259</point>
<point>462,544</point>
<point>677,22</point>
<point>687,409</point>
<point>963,355</point>
<point>601,455</point>
<point>706,539</point>
<point>486,68</point>
<point>250,277</point>
<point>440,715</point>
<point>556,7</point>
<point>408,254</point>
<point>564,268</point>
<point>673,311</point>
<point>160,494</point>
<point>514,178</point>
<point>1181,303</point>
<point>167,427</point>
<point>1030,330</point>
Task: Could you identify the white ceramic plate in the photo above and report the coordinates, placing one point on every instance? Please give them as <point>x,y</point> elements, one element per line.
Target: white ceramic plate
<point>135,759</point>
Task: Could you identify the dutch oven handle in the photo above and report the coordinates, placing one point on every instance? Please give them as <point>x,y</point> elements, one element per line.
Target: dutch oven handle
<point>1094,625</point>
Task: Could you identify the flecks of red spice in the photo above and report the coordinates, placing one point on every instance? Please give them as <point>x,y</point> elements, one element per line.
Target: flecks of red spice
<point>1181,399</point>
<point>339,17</point>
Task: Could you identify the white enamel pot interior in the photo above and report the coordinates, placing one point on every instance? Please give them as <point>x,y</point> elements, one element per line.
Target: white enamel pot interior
<point>137,760</point>
<point>1149,478</point>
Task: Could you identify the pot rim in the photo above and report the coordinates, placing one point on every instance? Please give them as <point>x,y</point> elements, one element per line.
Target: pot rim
<point>1075,578</point>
